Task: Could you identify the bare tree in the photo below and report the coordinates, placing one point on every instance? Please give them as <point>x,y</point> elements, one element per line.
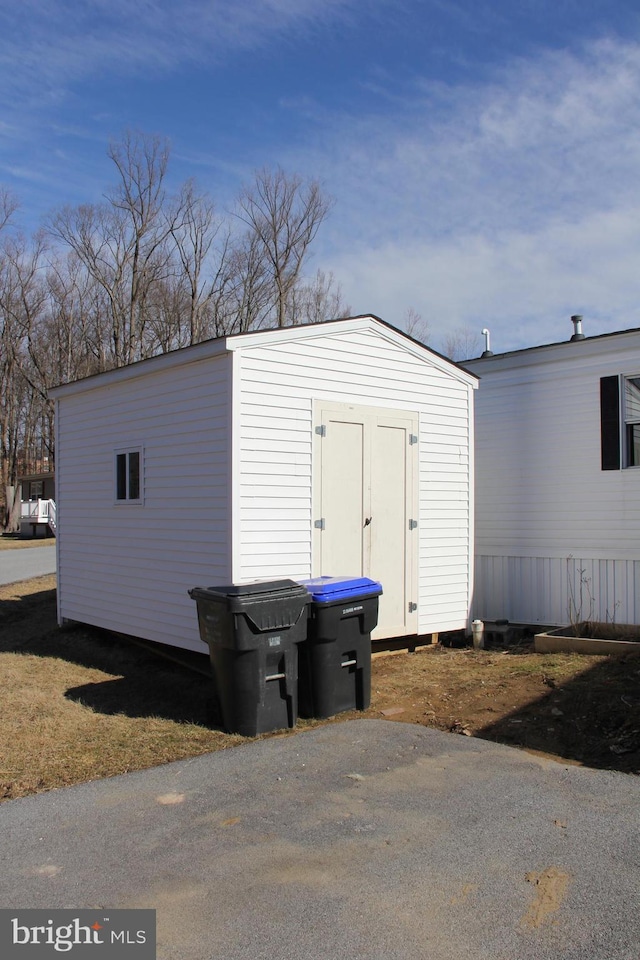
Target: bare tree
<point>319,300</point>
<point>415,325</point>
<point>248,301</point>
<point>11,384</point>
<point>123,243</point>
<point>284,213</point>
<point>8,206</point>
<point>45,338</point>
<point>12,397</point>
<point>143,272</point>
<point>461,344</point>
<point>22,400</point>
<point>168,308</point>
<point>74,330</point>
<point>29,308</point>
<point>193,228</point>
<point>26,306</point>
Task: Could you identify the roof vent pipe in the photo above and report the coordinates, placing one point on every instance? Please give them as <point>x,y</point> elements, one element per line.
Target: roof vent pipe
<point>487,352</point>
<point>576,320</point>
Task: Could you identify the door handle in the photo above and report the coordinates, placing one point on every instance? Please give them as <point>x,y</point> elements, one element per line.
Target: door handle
<point>368,521</point>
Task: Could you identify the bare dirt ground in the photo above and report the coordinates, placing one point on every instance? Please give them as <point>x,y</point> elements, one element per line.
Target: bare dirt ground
<point>581,709</point>
<point>79,704</point>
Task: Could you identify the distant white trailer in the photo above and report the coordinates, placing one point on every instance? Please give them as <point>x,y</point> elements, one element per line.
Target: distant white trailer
<point>558,481</point>
<point>341,448</point>
<point>37,504</point>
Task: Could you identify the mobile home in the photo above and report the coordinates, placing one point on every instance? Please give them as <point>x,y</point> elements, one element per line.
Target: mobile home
<point>558,481</point>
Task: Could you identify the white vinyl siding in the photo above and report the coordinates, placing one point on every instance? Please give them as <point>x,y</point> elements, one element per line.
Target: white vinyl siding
<point>542,498</point>
<point>277,384</point>
<point>129,569</point>
<point>536,590</point>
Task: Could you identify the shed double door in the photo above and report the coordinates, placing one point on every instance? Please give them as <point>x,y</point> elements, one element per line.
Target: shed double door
<point>365,505</point>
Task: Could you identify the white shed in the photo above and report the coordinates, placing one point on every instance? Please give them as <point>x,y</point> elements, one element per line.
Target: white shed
<point>340,448</point>
<point>558,481</point>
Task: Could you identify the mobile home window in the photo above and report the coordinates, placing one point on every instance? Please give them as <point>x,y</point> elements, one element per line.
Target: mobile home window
<point>129,476</point>
<point>632,420</point>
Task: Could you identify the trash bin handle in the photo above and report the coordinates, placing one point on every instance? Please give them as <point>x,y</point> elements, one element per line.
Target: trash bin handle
<point>349,663</point>
<point>278,676</point>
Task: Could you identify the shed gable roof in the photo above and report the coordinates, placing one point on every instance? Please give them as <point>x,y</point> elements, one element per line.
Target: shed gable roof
<point>240,341</point>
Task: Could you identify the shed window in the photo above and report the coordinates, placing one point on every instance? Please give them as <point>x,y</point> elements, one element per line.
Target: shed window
<point>129,476</point>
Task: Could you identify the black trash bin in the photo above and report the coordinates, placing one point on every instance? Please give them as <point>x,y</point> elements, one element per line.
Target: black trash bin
<point>335,662</point>
<point>253,631</point>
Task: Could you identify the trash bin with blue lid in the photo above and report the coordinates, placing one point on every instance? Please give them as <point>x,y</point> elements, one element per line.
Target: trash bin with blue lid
<point>253,631</point>
<point>335,662</point>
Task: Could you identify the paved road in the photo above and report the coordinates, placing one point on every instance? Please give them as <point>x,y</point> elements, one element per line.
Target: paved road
<point>23,564</point>
<point>363,840</point>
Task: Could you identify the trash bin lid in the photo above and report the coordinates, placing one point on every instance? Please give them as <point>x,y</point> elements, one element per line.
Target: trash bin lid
<point>261,590</point>
<point>333,589</point>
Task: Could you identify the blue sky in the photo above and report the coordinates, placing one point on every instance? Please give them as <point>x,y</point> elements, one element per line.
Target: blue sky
<point>484,155</point>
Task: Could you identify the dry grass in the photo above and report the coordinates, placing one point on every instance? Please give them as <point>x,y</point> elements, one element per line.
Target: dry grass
<point>14,542</point>
<point>80,704</point>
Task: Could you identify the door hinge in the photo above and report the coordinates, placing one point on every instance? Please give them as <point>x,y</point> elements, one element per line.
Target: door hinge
<point>413,607</point>
<point>412,439</point>
<point>321,430</point>
<point>319,524</point>
<point>413,524</point>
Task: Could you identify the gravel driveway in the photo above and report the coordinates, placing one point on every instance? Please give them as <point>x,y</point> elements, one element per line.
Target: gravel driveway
<point>362,840</point>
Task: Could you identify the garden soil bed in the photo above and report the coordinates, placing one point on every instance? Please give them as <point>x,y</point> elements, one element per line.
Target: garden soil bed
<point>81,704</point>
<point>608,639</point>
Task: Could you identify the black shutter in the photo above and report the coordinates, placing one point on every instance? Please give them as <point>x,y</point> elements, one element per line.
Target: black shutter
<point>610,422</point>
<point>121,476</point>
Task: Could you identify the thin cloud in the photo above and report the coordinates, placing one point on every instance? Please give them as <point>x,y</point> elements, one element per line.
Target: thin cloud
<point>523,286</point>
<point>512,196</point>
<point>50,48</point>
<point>61,41</point>
<point>564,131</point>
<point>518,198</point>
